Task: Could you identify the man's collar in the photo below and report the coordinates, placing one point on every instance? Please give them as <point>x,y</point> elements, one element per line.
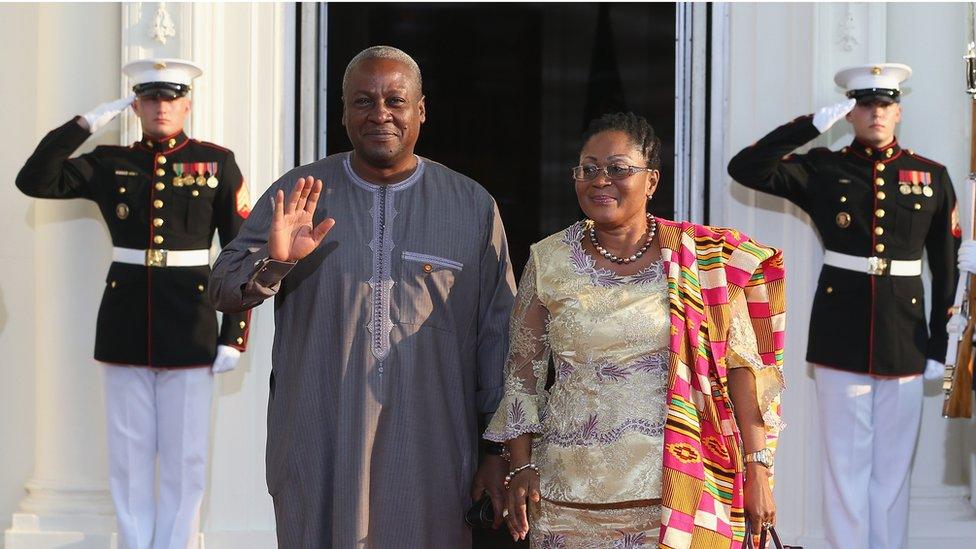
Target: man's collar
<point>868,152</point>
<point>164,144</point>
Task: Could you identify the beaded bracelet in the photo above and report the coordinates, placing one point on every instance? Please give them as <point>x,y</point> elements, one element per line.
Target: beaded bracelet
<point>517,470</point>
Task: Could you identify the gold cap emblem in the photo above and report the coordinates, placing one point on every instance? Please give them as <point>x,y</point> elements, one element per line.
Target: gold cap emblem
<point>159,65</point>
<point>876,70</point>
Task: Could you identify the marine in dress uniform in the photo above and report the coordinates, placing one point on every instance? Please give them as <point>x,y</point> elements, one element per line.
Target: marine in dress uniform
<point>162,198</point>
<point>876,206</point>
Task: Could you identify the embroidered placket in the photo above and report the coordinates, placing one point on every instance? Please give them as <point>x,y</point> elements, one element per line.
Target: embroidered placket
<point>381,282</point>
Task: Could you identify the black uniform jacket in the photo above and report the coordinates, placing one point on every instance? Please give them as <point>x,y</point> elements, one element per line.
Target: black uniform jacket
<point>154,195</point>
<point>888,203</point>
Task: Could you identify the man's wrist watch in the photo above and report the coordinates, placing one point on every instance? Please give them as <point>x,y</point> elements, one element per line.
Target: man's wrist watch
<point>763,457</point>
<point>498,449</point>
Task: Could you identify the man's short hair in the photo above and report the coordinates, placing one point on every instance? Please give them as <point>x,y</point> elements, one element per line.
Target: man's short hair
<point>384,52</point>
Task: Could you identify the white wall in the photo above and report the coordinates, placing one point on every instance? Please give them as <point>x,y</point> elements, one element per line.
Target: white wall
<point>781,61</point>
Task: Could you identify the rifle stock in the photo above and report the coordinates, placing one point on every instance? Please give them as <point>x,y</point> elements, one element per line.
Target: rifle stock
<point>959,393</point>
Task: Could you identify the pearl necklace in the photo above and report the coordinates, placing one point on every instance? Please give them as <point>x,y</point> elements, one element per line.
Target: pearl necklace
<point>651,230</point>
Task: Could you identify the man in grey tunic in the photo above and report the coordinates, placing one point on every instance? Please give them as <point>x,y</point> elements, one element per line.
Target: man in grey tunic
<point>393,290</point>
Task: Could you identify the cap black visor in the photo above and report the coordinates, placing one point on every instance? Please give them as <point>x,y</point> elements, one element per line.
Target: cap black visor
<point>161,90</point>
<point>870,96</point>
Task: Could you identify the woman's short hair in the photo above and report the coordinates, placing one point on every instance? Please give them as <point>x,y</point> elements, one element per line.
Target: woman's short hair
<point>636,127</point>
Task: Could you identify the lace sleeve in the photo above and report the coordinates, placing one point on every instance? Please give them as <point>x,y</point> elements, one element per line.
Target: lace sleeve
<point>526,366</point>
<point>743,352</point>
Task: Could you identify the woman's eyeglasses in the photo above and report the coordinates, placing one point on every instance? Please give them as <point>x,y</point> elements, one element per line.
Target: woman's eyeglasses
<point>613,172</point>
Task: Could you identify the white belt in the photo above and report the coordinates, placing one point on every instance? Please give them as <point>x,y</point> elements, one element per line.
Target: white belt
<point>161,258</point>
<point>873,265</point>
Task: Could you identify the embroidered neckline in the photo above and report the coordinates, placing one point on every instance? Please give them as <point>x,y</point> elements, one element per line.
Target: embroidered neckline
<point>584,264</point>
<point>418,172</point>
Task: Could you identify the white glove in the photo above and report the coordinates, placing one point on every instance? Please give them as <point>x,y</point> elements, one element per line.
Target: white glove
<point>104,113</point>
<point>967,256</point>
<point>226,360</point>
<point>828,116</point>
<point>933,369</point>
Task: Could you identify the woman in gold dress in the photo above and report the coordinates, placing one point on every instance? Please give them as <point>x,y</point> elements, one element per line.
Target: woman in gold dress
<point>586,452</point>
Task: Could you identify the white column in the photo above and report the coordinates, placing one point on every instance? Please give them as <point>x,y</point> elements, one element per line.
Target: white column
<point>249,109</point>
<point>67,498</point>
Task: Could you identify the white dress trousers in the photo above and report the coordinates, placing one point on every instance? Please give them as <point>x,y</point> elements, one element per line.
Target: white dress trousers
<point>869,426</point>
<point>166,414</point>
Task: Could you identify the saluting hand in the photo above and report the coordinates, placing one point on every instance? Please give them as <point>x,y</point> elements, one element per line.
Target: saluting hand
<point>826,117</point>
<point>292,236</point>
<point>101,115</point>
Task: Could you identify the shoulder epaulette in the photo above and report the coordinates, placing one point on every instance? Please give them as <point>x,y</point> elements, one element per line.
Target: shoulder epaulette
<point>212,146</point>
<point>917,156</point>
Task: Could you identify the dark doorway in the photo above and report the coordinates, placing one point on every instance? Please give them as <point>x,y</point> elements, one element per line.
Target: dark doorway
<point>510,88</point>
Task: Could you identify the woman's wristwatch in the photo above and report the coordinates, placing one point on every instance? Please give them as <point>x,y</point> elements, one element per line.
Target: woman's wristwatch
<point>763,457</point>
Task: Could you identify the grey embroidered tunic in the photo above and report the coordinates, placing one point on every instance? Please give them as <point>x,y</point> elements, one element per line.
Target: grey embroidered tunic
<point>390,342</point>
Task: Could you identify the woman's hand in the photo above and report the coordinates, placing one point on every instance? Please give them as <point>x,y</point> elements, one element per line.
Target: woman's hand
<point>759,505</point>
<point>523,489</point>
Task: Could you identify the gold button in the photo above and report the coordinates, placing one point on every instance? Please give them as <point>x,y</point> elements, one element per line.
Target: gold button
<point>830,289</point>
<point>147,143</point>
<point>157,222</point>
<point>879,248</point>
<point>843,199</point>
<point>160,172</point>
<point>879,166</point>
<point>867,151</point>
<point>428,267</point>
<point>157,203</point>
<point>161,159</point>
<point>199,287</point>
<point>879,182</point>
<point>172,142</point>
<point>918,206</point>
<point>881,195</point>
<point>243,324</point>
<point>158,239</point>
<point>121,190</point>
<point>879,231</point>
<point>240,341</point>
<point>160,186</point>
<point>889,152</point>
<point>844,150</point>
<point>879,212</point>
<point>113,284</point>
<point>914,301</point>
<point>195,192</point>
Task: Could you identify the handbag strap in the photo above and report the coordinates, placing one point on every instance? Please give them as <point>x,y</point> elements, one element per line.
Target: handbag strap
<point>747,542</point>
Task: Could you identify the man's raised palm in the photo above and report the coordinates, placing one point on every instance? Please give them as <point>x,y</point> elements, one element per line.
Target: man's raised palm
<point>292,235</point>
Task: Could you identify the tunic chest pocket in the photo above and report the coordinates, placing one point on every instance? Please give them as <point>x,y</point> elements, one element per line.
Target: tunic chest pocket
<point>193,207</point>
<point>841,194</point>
<point>128,190</point>
<point>425,288</point>
<point>914,214</point>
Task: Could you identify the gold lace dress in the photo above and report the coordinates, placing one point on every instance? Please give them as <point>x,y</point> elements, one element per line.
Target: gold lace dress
<point>598,428</point>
